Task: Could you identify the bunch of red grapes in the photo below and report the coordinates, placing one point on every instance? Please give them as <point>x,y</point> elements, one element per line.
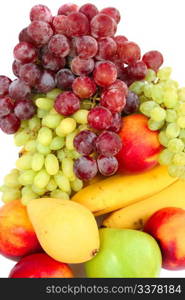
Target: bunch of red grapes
<point>77,51</point>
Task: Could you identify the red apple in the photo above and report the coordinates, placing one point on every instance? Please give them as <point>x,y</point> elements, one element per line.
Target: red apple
<point>167,226</point>
<point>140,145</point>
<point>40,265</point>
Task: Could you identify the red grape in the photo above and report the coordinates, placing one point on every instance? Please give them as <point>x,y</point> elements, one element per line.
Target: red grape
<point>105,73</point>
<point>102,26</point>
<point>82,66</point>
<point>59,45</point>
<point>9,124</point>
<point>114,100</point>
<point>86,46</point>
<point>112,12</point>
<point>107,48</point>
<point>84,87</point>
<point>60,25</point>
<point>129,52</point>
<point>137,70</point>
<point>132,103</point>
<point>118,63</point>
<point>16,67</point>
<point>78,24</point>
<point>85,168</point>
<point>24,109</point>
<point>100,118</point>
<point>24,36</point>
<point>67,103</point>
<point>40,13</point>
<point>120,85</point>
<point>84,142</point>
<point>40,32</point>
<point>4,85</point>
<point>64,79</point>
<point>6,106</point>
<point>124,76</point>
<point>90,10</point>
<point>19,90</point>
<point>153,60</point>
<point>108,143</point>
<point>51,62</point>
<point>107,166</point>
<point>116,123</point>
<point>67,9</point>
<point>120,39</point>
<point>30,73</point>
<point>25,52</point>
<point>46,82</point>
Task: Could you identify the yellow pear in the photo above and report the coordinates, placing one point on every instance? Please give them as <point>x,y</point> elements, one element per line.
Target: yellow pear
<point>66,230</point>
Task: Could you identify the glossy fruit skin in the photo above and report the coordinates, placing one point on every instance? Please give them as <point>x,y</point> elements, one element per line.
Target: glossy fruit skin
<point>40,265</point>
<point>167,226</point>
<point>125,253</point>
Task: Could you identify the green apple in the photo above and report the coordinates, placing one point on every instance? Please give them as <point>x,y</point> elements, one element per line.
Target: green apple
<point>125,253</point>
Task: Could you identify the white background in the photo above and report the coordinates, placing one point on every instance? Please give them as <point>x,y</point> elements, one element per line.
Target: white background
<point>152,24</point>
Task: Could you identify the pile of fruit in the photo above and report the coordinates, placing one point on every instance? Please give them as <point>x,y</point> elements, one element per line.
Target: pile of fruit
<point>87,105</point>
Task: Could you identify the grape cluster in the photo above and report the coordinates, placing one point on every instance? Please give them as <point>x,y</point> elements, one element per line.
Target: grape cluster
<point>163,102</point>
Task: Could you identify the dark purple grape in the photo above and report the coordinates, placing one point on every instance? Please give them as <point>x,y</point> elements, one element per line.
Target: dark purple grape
<point>84,142</point>
<point>108,143</point>
<point>6,106</point>
<point>132,103</point>
<point>67,103</point>
<point>4,85</point>
<point>64,79</point>
<point>19,90</point>
<point>85,168</point>
<point>9,124</point>
<point>30,74</point>
<point>24,109</point>
<point>51,62</point>
<point>46,82</point>
<point>107,166</point>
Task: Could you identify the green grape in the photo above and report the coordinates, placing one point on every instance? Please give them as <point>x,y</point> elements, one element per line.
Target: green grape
<point>158,114</point>
<point>171,83</point>
<point>58,194</point>
<point>24,124</point>
<point>10,194</point>
<point>146,107</point>
<point>38,191</point>
<point>66,126</point>
<point>82,127</point>
<point>28,195</point>
<point>51,164</point>
<point>81,116</point>
<point>26,189</point>
<point>153,125</point>
<point>53,94</point>
<point>176,171</point>
<point>172,130</point>
<point>43,149</point>
<point>181,94</point>
<point>30,146</point>
<point>182,134</point>
<point>24,162</point>
<point>51,185</point>
<point>179,159</point>
<point>69,140</point>
<point>157,94</point>
<point>21,137</point>
<point>44,103</point>
<point>57,143</point>
<point>34,124</point>
<point>150,76</point>
<point>147,89</point>
<point>42,178</point>
<point>164,73</point>
<point>51,120</point>
<point>41,113</point>
<point>77,185</point>
<point>11,180</point>
<point>38,95</point>
<point>37,162</point>
<point>181,108</point>
<point>171,115</point>
<point>181,122</point>
<point>61,155</point>
<point>165,157</point>
<point>170,98</point>
<point>45,136</point>
<point>175,145</point>
<point>75,154</point>
<point>67,168</point>
<point>27,177</point>
<point>137,87</point>
<point>143,99</point>
<point>163,139</point>
<point>62,182</point>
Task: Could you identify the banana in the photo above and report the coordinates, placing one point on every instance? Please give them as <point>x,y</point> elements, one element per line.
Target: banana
<point>135,216</point>
<point>122,190</point>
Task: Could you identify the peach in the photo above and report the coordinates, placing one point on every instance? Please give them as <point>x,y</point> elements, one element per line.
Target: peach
<point>17,236</point>
<point>167,226</point>
<point>40,265</point>
<point>140,145</point>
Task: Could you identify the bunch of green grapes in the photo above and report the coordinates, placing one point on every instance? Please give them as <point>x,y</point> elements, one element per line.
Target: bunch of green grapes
<point>163,102</point>
<point>45,164</point>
